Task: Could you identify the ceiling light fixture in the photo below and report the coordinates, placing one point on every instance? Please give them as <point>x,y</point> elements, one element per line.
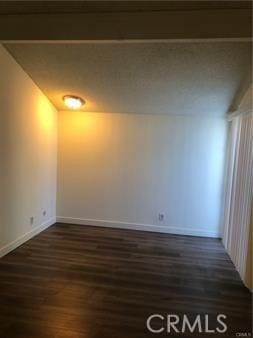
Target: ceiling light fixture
<point>73,102</point>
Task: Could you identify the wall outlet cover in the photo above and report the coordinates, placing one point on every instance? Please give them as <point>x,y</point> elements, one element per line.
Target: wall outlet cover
<point>161,217</point>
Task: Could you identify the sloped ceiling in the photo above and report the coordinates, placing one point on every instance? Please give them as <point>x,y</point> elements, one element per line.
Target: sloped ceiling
<point>152,78</point>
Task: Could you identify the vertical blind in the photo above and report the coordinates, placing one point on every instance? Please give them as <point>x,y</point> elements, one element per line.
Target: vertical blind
<point>238,195</point>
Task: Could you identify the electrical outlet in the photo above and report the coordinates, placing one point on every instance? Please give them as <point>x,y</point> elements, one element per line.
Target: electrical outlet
<point>44,213</point>
<point>161,217</point>
<point>31,220</point>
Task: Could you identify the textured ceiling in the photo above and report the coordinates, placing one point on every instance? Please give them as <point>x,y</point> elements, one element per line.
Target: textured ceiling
<point>166,78</point>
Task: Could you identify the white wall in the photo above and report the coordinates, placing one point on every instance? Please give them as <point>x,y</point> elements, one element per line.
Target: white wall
<point>124,169</point>
<point>28,153</point>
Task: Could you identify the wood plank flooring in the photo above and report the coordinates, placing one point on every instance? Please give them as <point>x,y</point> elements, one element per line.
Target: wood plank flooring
<point>74,281</point>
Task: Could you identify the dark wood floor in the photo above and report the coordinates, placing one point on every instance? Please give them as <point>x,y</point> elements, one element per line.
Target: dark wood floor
<point>75,281</point>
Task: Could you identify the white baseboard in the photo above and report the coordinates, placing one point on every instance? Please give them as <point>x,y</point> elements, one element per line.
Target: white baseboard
<point>22,239</point>
<point>142,227</point>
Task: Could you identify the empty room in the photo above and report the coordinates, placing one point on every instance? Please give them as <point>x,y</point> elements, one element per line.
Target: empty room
<point>126,158</point>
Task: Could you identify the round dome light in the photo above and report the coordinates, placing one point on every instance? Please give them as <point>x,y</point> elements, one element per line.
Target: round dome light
<point>73,102</point>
